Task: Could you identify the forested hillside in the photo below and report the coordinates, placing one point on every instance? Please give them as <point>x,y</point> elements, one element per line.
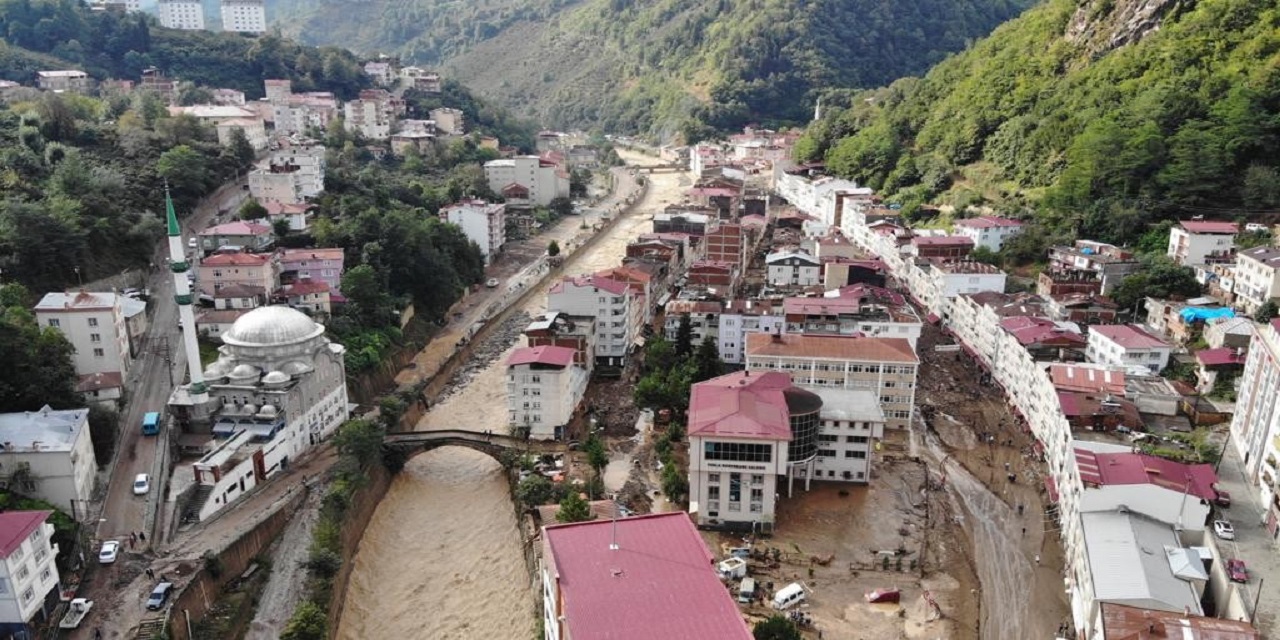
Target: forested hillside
<point>650,66</point>
<point>1099,116</point>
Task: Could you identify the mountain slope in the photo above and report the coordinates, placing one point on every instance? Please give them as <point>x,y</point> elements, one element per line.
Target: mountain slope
<point>1100,115</point>
<point>632,65</point>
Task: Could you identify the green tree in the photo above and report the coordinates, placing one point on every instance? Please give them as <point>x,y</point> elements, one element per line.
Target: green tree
<point>241,149</point>
<point>308,622</point>
<point>186,172</point>
<point>684,337</point>
<point>360,439</point>
<point>674,483</point>
<point>597,455</point>
<point>536,489</point>
<point>367,297</point>
<point>280,228</point>
<point>252,210</point>
<point>1160,278</point>
<point>553,248</point>
<point>38,362</point>
<point>561,207</point>
<point>573,508</point>
<point>104,425</point>
<point>1267,311</point>
<point>776,627</point>
<point>706,360</point>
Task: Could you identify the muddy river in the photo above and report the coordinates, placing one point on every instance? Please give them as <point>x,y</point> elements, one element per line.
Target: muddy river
<point>441,558</point>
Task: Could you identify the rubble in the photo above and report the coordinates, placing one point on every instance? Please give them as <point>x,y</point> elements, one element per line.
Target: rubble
<point>486,352</point>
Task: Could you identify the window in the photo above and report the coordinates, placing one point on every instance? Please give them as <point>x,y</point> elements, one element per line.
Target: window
<point>713,478</point>
<point>28,595</point>
<point>735,488</point>
<point>856,439</point>
<point>757,479</point>
<point>827,437</point>
<point>856,454</point>
<point>53,322</point>
<point>93,322</point>
<point>23,572</point>
<point>827,453</point>
<point>95,337</point>
<point>536,391</point>
<point>99,353</point>
<point>45,575</point>
<point>739,452</point>
<point>713,493</point>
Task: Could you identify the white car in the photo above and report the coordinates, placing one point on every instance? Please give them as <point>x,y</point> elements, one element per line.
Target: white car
<point>107,554</point>
<point>141,484</point>
<point>192,243</point>
<point>1224,530</point>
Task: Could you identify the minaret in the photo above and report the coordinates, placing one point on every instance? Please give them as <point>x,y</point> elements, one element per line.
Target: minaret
<point>182,295</point>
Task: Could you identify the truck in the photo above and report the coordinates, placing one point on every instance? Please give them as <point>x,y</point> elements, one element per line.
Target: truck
<point>151,423</point>
<point>75,615</point>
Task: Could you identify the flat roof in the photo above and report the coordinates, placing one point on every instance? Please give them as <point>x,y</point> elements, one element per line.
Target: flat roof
<point>1129,563</point>
<point>43,430</point>
<point>860,405</point>
<point>78,301</point>
<point>659,581</point>
<point>851,348</point>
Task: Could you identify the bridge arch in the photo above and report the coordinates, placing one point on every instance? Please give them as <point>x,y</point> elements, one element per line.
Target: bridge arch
<point>494,445</point>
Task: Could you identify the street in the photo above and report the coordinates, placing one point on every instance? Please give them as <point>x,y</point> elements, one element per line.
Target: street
<point>1253,543</point>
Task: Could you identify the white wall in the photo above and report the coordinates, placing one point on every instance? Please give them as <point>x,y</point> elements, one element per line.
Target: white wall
<point>27,575</point>
<point>702,474</point>
<point>614,317</point>
<point>551,396</point>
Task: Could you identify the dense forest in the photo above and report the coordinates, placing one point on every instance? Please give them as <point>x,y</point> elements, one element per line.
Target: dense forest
<point>1098,118</point>
<point>38,35</point>
<point>632,66</point>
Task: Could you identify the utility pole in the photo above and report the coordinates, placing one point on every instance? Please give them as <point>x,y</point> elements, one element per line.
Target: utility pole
<point>162,349</point>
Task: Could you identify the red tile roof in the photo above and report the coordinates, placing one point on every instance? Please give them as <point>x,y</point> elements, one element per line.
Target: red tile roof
<point>1070,377</point>
<point>1209,226</point>
<point>660,582</point>
<point>1032,331</point>
<point>987,222</point>
<point>303,255</point>
<point>15,526</point>
<point>549,355</point>
<point>741,405</point>
<point>236,260</point>
<point>1221,356</point>
<point>942,241</point>
<point>852,348</point>
<point>99,381</point>
<point>1129,336</point>
<point>1103,469</point>
<point>237,229</point>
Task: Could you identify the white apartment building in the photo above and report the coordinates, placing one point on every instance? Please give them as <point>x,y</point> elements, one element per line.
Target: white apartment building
<point>369,118</point>
<point>254,129</point>
<point>1256,281</point>
<point>1255,425</point>
<point>72,80</point>
<point>543,179</point>
<point>988,232</point>
<point>56,448</point>
<point>1127,345</point>
<point>28,572</point>
<point>852,423</point>
<point>745,430</point>
<point>819,197</point>
<point>793,269</point>
<point>611,303</point>
<point>886,366</point>
<point>544,387</point>
<point>182,14</point>
<point>856,310</point>
<point>1194,242</point>
<point>94,324</point>
<point>936,282</point>
<point>741,318</point>
<point>483,223</point>
<point>295,113</point>
<point>290,176</point>
<point>704,319</point>
<point>244,16</point>
<point>381,72</point>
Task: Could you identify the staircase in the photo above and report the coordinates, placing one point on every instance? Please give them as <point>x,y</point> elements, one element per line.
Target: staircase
<point>151,628</point>
<point>191,512</point>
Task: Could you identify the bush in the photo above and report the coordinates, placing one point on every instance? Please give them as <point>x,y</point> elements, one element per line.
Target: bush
<point>309,622</point>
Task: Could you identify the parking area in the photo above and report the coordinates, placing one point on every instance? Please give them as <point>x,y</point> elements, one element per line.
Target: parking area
<point>1253,543</point>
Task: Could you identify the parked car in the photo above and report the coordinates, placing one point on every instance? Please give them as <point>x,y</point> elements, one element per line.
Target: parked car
<point>1224,530</point>
<point>491,283</point>
<point>141,484</point>
<point>1221,498</point>
<point>159,596</point>
<point>192,242</point>
<point>1237,570</point>
<point>107,554</point>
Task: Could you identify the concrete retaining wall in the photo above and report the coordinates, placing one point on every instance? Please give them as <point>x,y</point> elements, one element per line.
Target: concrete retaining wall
<point>363,504</point>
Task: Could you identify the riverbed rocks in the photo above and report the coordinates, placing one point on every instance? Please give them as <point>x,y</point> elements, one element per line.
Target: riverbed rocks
<point>486,352</point>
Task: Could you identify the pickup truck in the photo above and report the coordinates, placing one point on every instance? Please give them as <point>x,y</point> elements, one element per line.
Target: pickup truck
<point>75,615</point>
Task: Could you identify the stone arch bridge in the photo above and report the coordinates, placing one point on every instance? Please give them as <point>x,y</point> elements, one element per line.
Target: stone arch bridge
<point>491,444</point>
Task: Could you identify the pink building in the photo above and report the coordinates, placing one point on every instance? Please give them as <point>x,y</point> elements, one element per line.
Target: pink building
<point>316,265</point>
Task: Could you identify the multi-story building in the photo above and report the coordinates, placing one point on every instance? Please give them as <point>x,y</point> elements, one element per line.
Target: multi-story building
<point>94,324</point>
<point>55,449</point>
<point>594,566</point>
<point>381,72</point>
<point>296,113</point>
<point>745,430</point>
<point>254,130</point>
<point>244,16</point>
<point>313,298</point>
<point>1111,263</point>
<point>682,219</point>
<point>1200,241</point>
<point>449,121</point>
<point>483,223</point>
<point>743,317</point>
<point>1127,345</point>
<point>277,90</point>
<point>857,310</point>
<point>182,14</point>
<point>852,424</point>
<point>613,306</point>
<point>988,232</point>
<point>28,572</point>
<point>704,319</point>
<point>314,265</point>
<point>544,387</point>
<point>793,269</point>
<point>249,269</point>
<point>237,236</point>
<point>945,247</point>
<point>369,118</point>
<point>556,329</point>
<point>936,282</point>
<point>69,80</point>
<point>1068,282</point>
<point>228,97</point>
<point>1255,277</point>
<point>821,196</point>
<point>886,366</point>
<point>543,180</point>
<point>290,176</point>
<point>1255,425</point>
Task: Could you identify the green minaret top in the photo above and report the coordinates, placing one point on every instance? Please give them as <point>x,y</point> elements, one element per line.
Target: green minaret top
<point>170,215</point>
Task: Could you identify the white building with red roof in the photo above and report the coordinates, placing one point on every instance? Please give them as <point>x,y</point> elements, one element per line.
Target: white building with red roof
<point>988,232</point>
<point>482,222</point>
<point>1194,242</point>
<point>231,268</point>
<point>1171,492</point>
<point>248,236</point>
<point>615,306</point>
<point>638,578</point>
<point>544,388</point>
<point>94,324</point>
<point>1127,345</point>
<point>542,178</point>
<point>27,570</point>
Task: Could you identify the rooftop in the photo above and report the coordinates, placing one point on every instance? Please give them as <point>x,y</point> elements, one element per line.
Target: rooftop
<point>853,348</point>
<point>741,405</point>
<point>1129,564</point>
<point>1038,331</point>
<point>238,228</point>
<point>78,301</point>
<point>43,430</point>
<point>99,381</point>
<point>964,267</point>
<point>1079,377</point>
<point>302,255</point>
<point>236,260</point>
<point>1121,622</point>
<point>16,526</point>
<point>942,241</point>
<point>1102,469</point>
<point>783,255</point>
<point>987,222</point>
<point>860,405</point>
<point>239,291</point>
<point>545,355</point>
<point>659,581</point>
<point>1128,336</point>
<point>1209,226</point>
<point>1269,256</point>
<point>1222,356</point>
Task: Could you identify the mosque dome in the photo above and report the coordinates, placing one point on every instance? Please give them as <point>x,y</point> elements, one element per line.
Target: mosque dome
<point>271,326</point>
<point>243,371</point>
<point>275,377</point>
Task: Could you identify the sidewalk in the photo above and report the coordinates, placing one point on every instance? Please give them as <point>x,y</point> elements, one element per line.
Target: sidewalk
<point>1253,543</point>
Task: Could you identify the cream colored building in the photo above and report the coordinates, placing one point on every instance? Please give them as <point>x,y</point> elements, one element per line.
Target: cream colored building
<point>95,326</point>
<point>544,387</point>
<point>55,446</point>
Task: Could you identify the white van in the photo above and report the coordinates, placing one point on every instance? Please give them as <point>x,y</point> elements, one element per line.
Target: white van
<point>789,596</point>
<point>747,590</point>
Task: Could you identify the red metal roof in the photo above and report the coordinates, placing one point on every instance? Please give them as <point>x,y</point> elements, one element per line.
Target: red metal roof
<point>549,355</point>
<point>1103,469</point>
<point>1221,356</point>
<point>987,222</point>
<point>1129,336</point>
<point>942,240</point>
<point>659,582</point>
<point>1122,622</point>
<point>236,260</point>
<point>1030,330</point>
<point>15,526</point>
<point>741,405</point>
<point>1070,377</point>
<point>1209,226</point>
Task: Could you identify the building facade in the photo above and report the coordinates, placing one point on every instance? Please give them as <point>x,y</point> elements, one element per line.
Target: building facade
<point>544,387</point>
<point>988,232</point>
<point>1198,241</point>
<point>28,572</point>
<point>259,270</point>
<point>543,180</point>
<point>483,223</point>
<point>793,269</point>
<point>244,16</point>
<point>55,448</point>
<point>610,302</point>
<point>94,324</point>
<point>1127,345</point>
<point>1255,277</point>
<point>314,265</point>
<point>181,14</point>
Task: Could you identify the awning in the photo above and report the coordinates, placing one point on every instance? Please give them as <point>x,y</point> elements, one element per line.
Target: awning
<point>1052,486</point>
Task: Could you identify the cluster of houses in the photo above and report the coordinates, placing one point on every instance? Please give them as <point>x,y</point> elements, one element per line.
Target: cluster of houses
<point>1080,382</point>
